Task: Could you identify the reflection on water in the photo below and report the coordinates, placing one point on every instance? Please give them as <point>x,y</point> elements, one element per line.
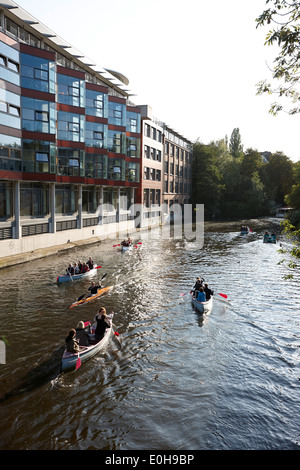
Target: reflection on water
<point>173,379</point>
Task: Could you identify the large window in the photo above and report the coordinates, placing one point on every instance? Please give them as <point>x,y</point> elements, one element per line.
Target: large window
<point>116,114</point>
<point>116,142</point>
<point>9,64</point>
<point>132,172</point>
<point>125,199</point>
<point>37,73</point>
<point>70,162</point>
<point>95,135</point>
<point>133,122</point>
<point>34,199</point>
<point>38,115</point>
<point>110,198</point>
<point>39,156</point>
<point>96,103</point>
<point>70,126</point>
<point>66,199</point>
<point>116,169</point>
<point>95,166</point>
<point>6,200</point>
<point>90,198</point>
<point>133,147</point>
<point>10,153</point>
<point>10,109</point>
<point>70,90</point>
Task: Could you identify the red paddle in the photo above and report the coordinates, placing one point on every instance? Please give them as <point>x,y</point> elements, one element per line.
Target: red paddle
<point>78,362</point>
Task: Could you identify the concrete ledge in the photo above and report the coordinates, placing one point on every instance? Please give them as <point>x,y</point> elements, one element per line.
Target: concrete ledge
<point>44,252</point>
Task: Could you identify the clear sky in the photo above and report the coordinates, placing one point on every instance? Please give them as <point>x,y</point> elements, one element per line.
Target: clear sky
<point>195,62</point>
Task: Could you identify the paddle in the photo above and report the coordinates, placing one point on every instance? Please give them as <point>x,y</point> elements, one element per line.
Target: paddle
<point>78,362</point>
<point>222,295</point>
<point>181,295</point>
<point>81,297</point>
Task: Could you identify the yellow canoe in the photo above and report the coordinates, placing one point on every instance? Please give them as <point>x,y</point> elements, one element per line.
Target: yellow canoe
<point>100,292</point>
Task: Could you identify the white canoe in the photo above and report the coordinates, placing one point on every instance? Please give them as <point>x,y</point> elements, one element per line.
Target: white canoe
<point>69,360</point>
<point>203,307</point>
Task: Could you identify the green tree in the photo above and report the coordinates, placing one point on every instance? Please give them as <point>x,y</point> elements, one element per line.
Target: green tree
<point>206,178</point>
<point>283,16</point>
<point>235,144</point>
<point>293,198</point>
<point>252,162</point>
<point>277,176</point>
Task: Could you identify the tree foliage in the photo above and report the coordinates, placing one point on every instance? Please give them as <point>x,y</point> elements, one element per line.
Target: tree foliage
<point>277,176</point>
<point>237,187</point>
<point>283,16</point>
<point>235,144</point>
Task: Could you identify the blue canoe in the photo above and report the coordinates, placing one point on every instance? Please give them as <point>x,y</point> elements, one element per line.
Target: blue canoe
<point>69,278</point>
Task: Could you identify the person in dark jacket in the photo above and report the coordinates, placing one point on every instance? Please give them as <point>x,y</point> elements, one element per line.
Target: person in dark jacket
<point>82,335</point>
<point>71,342</point>
<point>102,323</point>
<point>196,288</point>
<point>208,291</point>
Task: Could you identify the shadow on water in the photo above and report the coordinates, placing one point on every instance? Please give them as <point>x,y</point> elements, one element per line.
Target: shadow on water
<point>40,375</point>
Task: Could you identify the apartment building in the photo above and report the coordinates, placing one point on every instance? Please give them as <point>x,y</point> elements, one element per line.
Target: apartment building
<point>178,154</point>
<point>75,153</point>
<point>70,140</point>
<point>151,167</point>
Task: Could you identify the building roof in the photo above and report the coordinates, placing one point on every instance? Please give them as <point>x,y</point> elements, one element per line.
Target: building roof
<point>112,78</point>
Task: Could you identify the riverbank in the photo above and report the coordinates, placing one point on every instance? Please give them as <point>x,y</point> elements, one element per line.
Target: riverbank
<point>13,260</point>
<point>26,257</point>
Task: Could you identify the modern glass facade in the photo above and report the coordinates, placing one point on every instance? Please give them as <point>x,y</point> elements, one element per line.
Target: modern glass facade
<point>69,139</point>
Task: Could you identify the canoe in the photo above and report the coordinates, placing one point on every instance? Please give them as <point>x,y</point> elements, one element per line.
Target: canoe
<point>126,248</point>
<point>100,292</point>
<point>203,307</point>
<point>269,240</point>
<point>69,360</point>
<point>68,278</point>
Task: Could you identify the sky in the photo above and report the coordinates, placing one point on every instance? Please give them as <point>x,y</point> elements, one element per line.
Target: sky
<point>195,62</point>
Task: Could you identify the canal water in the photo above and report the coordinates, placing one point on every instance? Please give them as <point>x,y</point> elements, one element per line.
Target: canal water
<point>172,379</point>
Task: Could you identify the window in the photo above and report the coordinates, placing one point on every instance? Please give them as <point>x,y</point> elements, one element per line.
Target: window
<point>41,157</point>
<point>98,135</point>
<point>12,65</point>
<point>3,60</point>
<point>96,103</point>
<point>41,74</point>
<point>34,199</point>
<point>14,110</point>
<point>37,73</point>
<point>73,91</point>
<point>41,116</point>
<point>3,107</point>
<point>73,127</point>
<point>70,90</point>
<point>133,125</point>
<point>116,142</point>
<point>116,113</point>
<point>66,199</point>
